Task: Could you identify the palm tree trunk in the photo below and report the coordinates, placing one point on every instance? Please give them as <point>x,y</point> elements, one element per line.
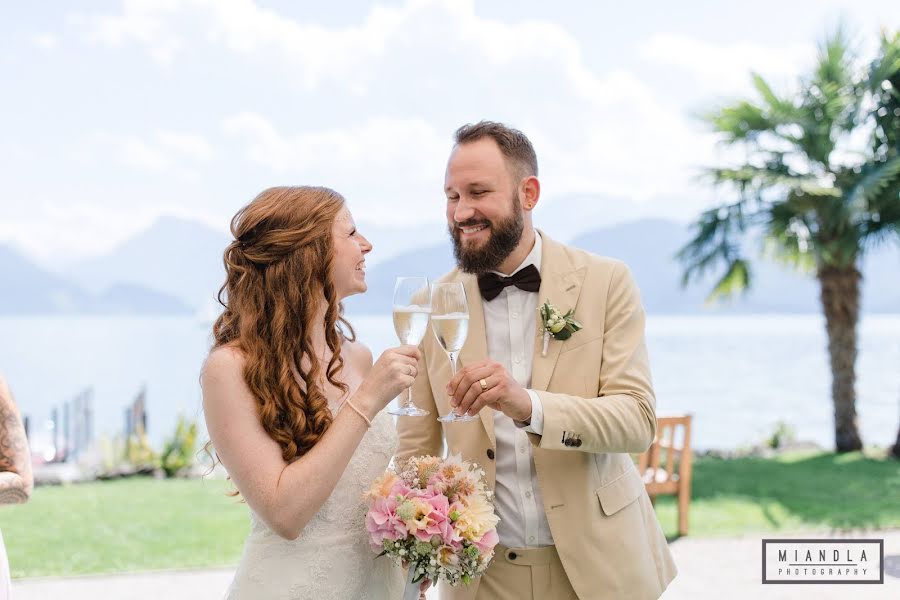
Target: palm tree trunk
<point>895,449</point>
<point>840,302</point>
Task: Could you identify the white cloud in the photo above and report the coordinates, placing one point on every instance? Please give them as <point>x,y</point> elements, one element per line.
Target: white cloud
<point>597,132</point>
<point>45,41</point>
<point>727,67</point>
<point>380,142</point>
<point>186,145</point>
<point>169,27</point>
<point>381,165</point>
<point>147,22</point>
<point>162,151</point>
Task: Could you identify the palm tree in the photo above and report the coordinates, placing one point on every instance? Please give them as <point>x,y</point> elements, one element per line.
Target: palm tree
<point>887,119</point>
<point>820,197</point>
<point>895,449</point>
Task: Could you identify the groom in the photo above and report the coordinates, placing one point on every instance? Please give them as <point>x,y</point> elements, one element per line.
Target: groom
<point>557,421</point>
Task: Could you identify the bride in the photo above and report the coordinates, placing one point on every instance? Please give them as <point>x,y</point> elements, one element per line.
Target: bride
<point>294,404</point>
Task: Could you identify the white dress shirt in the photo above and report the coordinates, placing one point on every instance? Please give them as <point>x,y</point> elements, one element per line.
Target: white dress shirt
<point>510,320</point>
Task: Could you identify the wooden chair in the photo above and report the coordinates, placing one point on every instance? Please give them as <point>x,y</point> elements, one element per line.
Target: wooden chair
<point>666,466</point>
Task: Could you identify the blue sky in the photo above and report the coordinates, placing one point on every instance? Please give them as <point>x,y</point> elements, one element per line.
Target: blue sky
<point>114,113</point>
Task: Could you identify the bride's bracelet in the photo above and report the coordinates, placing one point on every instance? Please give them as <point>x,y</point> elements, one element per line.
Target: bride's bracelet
<point>359,412</point>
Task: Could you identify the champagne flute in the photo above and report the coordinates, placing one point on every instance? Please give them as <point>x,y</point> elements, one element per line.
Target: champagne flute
<point>412,307</point>
<point>450,323</point>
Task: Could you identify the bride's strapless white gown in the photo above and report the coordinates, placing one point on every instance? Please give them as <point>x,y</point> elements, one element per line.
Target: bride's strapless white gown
<point>332,559</point>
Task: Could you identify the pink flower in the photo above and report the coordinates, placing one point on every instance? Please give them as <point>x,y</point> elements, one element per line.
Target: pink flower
<point>383,523</point>
<point>488,541</point>
<point>400,489</point>
<point>436,521</point>
<point>437,483</point>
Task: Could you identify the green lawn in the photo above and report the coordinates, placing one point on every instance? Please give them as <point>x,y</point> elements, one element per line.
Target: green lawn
<point>140,524</point>
<point>799,492</point>
<point>124,525</point>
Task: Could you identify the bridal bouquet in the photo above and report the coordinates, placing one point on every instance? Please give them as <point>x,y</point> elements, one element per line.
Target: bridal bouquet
<point>437,516</point>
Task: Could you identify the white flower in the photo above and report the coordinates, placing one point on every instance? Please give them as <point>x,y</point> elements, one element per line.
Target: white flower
<point>556,324</point>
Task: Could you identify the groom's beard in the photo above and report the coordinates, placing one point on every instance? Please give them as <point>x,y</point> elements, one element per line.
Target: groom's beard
<point>505,236</point>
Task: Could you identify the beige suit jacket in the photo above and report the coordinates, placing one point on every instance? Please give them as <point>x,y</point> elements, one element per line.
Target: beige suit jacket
<point>596,386</point>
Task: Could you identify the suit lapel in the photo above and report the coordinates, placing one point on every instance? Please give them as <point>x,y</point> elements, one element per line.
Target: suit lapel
<point>475,348</point>
<point>561,286</point>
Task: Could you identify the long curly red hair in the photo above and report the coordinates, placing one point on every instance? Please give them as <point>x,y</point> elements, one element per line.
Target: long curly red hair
<point>278,268</point>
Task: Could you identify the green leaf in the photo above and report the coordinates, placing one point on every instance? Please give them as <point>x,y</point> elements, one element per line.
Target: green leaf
<point>736,279</point>
<point>875,179</point>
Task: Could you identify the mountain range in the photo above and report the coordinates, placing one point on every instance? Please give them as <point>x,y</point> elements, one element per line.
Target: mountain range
<point>27,289</point>
<point>175,267</point>
<point>648,247</point>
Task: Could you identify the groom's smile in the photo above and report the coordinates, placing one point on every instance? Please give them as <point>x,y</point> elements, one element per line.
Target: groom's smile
<point>471,232</point>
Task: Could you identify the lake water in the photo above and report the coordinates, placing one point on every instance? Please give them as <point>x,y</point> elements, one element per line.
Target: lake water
<point>737,375</point>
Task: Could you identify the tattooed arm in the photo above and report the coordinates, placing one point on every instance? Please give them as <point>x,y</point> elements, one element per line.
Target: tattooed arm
<point>15,460</point>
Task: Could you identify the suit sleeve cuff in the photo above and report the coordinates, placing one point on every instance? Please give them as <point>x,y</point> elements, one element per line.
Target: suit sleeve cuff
<point>536,425</point>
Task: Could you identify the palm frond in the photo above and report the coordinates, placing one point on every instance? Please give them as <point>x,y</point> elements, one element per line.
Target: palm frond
<point>886,66</point>
<point>835,60</point>
<point>884,88</point>
<point>735,280</point>
<point>832,99</point>
<point>789,237</point>
<point>880,218</point>
<point>742,121</point>
<point>781,110</point>
<point>874,180</point>
<point>717,240</point>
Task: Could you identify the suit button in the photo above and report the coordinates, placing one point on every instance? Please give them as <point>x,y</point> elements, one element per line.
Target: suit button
<point>570,442</point>
<point>490,453</point>
<point>578,443</point>
<point>512,556</point>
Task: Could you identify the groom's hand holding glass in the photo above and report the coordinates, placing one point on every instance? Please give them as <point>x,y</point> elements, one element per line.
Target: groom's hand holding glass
<point>488,383</point>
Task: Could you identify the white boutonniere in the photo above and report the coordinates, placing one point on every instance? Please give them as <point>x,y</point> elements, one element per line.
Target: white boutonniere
<point>560,326</point>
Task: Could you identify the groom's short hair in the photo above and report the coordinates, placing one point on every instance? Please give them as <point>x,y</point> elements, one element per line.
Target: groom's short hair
<point>514,145</point>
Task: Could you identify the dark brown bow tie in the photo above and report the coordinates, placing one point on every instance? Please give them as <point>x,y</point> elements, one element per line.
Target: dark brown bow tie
<point>491,284</point>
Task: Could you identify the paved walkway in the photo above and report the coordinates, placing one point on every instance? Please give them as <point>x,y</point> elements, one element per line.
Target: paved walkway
<point>731,568</point>
<point>708,568</point>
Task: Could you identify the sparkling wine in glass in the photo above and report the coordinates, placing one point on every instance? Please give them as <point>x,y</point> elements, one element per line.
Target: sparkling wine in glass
<point>412,307</point>
<point>450,323</point>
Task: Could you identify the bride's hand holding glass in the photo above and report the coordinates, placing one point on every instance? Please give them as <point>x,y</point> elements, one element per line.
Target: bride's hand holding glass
<point>394,371</point>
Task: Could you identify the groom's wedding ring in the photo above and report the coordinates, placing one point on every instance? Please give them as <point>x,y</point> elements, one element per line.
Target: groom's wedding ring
<point>484,386</point>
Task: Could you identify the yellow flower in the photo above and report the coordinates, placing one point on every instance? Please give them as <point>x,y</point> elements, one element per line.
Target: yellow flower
<point>476,518</point>
<point>382,486</point>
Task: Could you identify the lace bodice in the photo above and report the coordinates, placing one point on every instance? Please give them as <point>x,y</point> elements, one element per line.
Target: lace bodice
<point>331,560</point>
